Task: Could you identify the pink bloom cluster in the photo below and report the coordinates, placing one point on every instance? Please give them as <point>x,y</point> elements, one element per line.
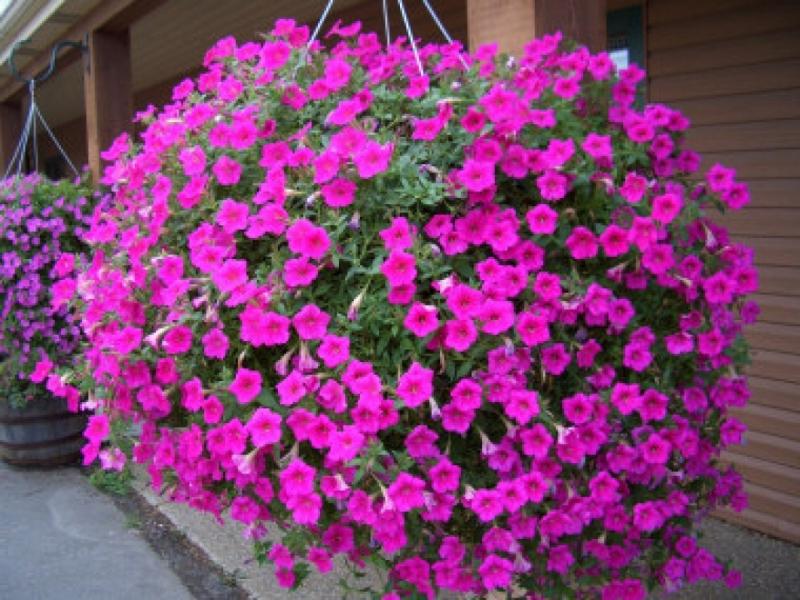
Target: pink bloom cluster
<point>476,326</point>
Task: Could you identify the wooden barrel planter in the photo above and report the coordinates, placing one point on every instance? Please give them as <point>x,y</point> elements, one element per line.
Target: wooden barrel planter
<point>42,433</point>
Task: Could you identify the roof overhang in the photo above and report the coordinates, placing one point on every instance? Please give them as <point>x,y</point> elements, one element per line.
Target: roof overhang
<point>21,20</point>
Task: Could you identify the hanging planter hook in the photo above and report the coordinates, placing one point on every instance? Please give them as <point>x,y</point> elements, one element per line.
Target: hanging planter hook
<point>34,115</point>
<point>48,72</point>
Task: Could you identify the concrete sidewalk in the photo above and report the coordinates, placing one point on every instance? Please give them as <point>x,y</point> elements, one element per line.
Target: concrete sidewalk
<point>60,539</point>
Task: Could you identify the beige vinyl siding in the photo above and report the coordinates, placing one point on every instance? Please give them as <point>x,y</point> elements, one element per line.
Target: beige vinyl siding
<point>733,67</point>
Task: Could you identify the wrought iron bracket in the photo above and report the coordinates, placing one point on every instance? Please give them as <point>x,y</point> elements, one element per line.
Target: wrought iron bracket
<point>47,73</point>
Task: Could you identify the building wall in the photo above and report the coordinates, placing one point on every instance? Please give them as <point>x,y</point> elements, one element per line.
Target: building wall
<point>733,66</point>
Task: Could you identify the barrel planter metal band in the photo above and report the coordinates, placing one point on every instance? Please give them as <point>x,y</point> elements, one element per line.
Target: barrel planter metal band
<point>42,433</point>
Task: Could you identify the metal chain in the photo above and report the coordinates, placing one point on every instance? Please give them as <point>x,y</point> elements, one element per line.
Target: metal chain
<point>444,31</point>
<point>411,36</point>
<point>21,144</point>
<point>57,143</point>
<point>386,25</point>
<point>314,34</point>
<point>29,134</point>
<point>34,141</point>
<point>387,31</point>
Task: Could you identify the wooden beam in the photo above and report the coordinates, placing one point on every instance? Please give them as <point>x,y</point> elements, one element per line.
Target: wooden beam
<point>10,127</point>
<point>513,23</point>
<point>127,16</point>
<point>108,93</point>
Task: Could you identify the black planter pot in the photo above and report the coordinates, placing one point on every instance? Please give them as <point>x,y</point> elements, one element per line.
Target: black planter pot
<point>41,433</point>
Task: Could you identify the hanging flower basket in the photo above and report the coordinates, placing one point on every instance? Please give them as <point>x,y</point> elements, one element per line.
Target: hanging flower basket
<point>40,227</point>
<point>474,328</point>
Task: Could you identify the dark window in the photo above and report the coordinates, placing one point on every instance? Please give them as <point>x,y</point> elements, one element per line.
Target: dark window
<point>625,41</point>
<point>626,36</point>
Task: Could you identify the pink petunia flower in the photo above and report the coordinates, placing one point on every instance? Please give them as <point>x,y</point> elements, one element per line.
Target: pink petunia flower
<point>415,386</point>
<point>636,356</point>
<point>193,160</point>
<point>334,350</point>
<point>400,268</point>
<point>626,397</point>
<point>444,476</point>
<point>246,385</point>
<point>97,429</point>
<point>231,275</point>
<point>496,572</point>
<point>614,241</point>
<point>232,215</point>
<point>496,316</point>
<point>292,388</point>
<point>522,406</point>
<point>372,159</point>
<point>533,329</point>
<point>464,301</point>
<point>305,509</point>
<point>633,188</point>
<point>299,272</point>
<point>307,239</point>
<point>264,427</point>
<point>41,370</point>
<point>297,478</point>
<point>406,492</point>
<point>227,171</point>
<point>177,340</point>
<point>579,408</point>
<point>597,146</point>
<point>666,207</point>
<point>346,444</point>
<point>486,504</point>
<point>456,419</point>
<point>421,320</point>
<point>476,176</point>
<point>582,244</point>
<point>460,334</point>
<point>553,186</point>
<point>339,193</point>
<point>311,322</point>
<point>542,220</point>
<point>398,236</point>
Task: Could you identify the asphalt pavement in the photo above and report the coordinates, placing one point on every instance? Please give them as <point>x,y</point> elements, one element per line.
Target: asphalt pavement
<point>60,539</point>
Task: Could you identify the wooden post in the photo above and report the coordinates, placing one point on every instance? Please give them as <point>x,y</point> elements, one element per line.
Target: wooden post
<point>10,128</point>
<point>107,92</point>
<point>513,23</point>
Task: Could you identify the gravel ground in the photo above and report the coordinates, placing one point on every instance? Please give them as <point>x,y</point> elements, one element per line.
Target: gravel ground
<point>770,567</point>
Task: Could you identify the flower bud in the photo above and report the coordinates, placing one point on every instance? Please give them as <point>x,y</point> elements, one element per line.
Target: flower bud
<point>355,221</point>
<point>355,305</point>
<point>245,462</point>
